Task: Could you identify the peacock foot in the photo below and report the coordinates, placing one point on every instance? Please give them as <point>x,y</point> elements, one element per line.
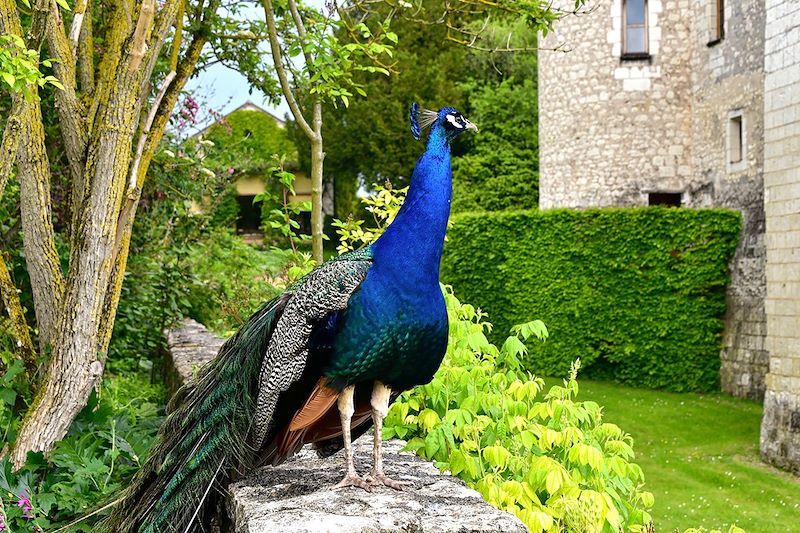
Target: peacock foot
<point>382,479</point>
<point>353,480</point>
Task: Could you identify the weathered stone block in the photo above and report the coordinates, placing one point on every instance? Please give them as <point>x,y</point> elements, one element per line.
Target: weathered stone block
<point>296,497</point>
<point>780,430</point>
<point>190,346</point>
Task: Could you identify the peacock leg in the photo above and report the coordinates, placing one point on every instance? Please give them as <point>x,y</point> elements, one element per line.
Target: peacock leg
<point>380,407</point>
<point>346,410</point>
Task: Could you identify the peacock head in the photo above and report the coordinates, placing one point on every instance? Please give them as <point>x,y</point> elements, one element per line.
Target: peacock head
<point>448,120</point>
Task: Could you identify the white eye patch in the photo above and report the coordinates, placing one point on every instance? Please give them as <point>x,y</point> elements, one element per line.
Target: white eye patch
<point>454,121</point>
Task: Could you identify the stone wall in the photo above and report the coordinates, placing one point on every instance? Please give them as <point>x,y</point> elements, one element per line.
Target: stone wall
<point>296,497</point>
<point>613,130</point>
<point>780,428</point>
<point>728,81</point>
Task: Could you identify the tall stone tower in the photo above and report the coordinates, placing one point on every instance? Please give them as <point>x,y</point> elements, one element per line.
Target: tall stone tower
<point>651,102</point>
<point>780,428</point>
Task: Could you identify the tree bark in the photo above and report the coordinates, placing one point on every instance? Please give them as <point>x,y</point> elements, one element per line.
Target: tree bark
<point>9,147</point>
<point>81,338</point>
<point>75,364</point>
<point>317,158</point>
<point>41,256</point>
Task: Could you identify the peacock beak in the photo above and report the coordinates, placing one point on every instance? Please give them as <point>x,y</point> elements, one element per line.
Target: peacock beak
<point>471,126</point>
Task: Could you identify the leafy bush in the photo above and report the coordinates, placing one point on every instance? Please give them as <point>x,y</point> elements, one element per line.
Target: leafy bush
<point>553,463</point>
<point>246,140</point>
<point>637,294</point>
<point>105,446</point>
<point>501,169</point>
<point>155,294</point>
<point>232,280</point>
<point>383,205</point>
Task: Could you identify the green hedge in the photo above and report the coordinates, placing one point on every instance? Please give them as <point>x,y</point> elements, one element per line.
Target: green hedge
<point>638,293</point>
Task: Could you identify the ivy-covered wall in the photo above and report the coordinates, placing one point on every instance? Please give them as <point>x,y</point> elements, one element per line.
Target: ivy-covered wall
<point>246,141</point>
<point>637,293</point>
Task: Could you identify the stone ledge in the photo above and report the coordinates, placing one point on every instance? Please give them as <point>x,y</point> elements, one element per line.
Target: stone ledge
<point>296,497</point>
<point>190,346</point>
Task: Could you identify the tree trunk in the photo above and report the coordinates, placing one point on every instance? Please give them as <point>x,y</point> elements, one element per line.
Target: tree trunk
<point>41,255</point>
<point>77,362</point>
<point>317,158</point>
<point>106,175</point>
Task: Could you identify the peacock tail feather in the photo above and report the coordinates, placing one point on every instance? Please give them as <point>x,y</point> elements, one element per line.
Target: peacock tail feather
<point>204,439</point>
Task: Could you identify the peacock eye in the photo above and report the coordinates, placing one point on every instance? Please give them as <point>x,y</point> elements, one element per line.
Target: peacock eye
<point>455,121</point>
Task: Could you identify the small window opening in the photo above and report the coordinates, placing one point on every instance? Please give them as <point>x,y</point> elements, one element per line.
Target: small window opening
<point>634,28</point>
<point>249,219</point>
<point>664,199</point>
<point>717,22</point>
<point>735,139</point>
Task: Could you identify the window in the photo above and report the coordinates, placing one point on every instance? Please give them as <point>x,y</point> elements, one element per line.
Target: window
<point>249,219</point>
<point>666,199</point>
<point>634,29</point>
<point>735,139</point>
<point>717,22</point>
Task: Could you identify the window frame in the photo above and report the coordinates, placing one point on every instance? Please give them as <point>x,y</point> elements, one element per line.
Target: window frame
<point>736,116</point>
<point>635,55</point>
<point>718,29</point>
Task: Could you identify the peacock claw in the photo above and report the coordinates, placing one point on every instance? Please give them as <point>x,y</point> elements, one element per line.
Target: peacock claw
<point>353,480</point>
<point>381,479</point>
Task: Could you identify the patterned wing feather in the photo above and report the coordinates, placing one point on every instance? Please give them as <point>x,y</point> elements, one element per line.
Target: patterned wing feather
<point>325,290</point>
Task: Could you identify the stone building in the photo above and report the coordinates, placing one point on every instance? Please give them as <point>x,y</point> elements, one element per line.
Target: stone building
<point>780,428</point>
<point>678,102</point>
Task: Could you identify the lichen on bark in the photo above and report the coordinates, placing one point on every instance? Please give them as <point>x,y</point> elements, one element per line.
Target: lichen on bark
<point>98,122</point>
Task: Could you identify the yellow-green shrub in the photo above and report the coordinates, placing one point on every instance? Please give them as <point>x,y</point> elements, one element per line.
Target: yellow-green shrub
<point>553,462</point>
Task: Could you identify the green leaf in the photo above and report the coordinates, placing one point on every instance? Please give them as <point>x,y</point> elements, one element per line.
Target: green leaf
<point>9,78</point>
<point>458,462</point>
<point>496,456</point>
<point>428,419</point>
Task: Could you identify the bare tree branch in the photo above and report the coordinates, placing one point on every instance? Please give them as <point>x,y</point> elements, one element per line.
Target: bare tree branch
<point>145,132</point>
<point>33,175</point>
<point>77,23</point>
<point>85,53</point>
<point>70,111</point>
<point>116,33</point>
<point>280,70</point>
<point>41,256</point>
<point>12,135</point>
<point>124,225</point>
<point>178,40</point>
<point>141,33</point>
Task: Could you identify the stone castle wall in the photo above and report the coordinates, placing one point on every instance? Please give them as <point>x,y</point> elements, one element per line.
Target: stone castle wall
<point>780,427</point>
<point>728,80</point>
<point>613,130</point>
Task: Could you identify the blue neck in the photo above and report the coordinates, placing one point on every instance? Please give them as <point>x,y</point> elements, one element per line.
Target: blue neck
<point>410,249</point>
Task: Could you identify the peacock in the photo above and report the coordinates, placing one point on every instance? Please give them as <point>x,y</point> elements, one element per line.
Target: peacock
<point>318,364</point>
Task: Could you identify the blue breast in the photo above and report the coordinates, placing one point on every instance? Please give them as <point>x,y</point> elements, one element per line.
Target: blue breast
<point>395,326</point>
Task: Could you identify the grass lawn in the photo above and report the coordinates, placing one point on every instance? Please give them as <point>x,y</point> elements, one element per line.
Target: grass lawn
<point>699,453</point>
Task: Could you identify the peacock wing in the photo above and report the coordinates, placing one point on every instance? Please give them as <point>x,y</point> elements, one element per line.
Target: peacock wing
<point>325,290</point>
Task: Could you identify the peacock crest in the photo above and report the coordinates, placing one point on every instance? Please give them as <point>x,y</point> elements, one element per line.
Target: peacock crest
<point>420,119</point>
